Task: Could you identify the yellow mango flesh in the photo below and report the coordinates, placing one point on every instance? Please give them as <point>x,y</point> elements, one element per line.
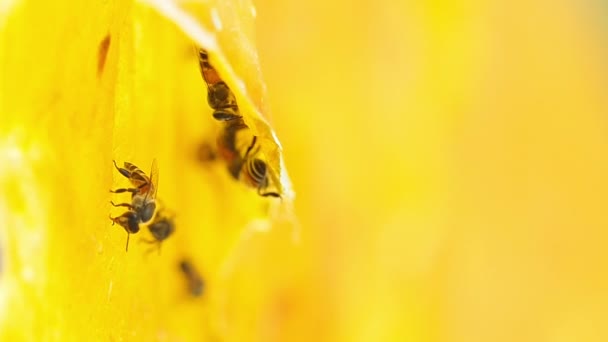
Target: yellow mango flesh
<point>86,84</point>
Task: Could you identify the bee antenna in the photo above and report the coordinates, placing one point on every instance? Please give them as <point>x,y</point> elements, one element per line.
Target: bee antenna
<point>253,141</point>
<point>128,236</point>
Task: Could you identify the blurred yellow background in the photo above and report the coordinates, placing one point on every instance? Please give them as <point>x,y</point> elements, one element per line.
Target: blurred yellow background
<point>450,164</point>
<point>448,158</point>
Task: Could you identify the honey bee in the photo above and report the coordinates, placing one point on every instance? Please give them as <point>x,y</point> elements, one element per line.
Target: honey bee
<point>161,228</point>
<point>219,96</point>
<point>143,195</point>
<point>223,102</point>
<point>255,170</point>
<point>195,282</point>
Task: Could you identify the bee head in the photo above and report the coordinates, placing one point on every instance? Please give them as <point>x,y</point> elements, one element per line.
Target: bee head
<point>132,222</point>
<point>225,115</point>
<point>129,221</point>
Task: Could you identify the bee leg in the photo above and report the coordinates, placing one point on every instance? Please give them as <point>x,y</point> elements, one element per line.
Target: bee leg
<point>121,190</point>
<point>122,171</point>
<point>122,205</point>
<point>268,194</point>
<point>223,115</point>
<point>253,141</point>
<point>151,242</point>
<point>126,230</point>
<point>158,244</point>
<point>271,194</point>
<point>147,241</point>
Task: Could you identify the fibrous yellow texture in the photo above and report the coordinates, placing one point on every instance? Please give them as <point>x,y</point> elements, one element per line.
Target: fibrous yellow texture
<point>81,84</point>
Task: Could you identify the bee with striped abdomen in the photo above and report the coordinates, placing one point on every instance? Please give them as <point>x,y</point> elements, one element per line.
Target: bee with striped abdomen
<point>256,171</point>
<point>247,167</point>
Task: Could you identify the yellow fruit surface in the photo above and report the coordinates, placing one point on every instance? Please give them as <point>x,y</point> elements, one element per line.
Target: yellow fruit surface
<point>83,84</point>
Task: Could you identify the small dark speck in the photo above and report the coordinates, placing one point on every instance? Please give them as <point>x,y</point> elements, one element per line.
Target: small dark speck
<point>205,153</point>
<point>102,54</point>
<point>195,282</point>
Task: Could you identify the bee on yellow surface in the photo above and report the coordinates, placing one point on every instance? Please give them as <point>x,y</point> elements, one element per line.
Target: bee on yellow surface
<point>256,171</point>
<point>195,282</point>
<point>219,96</point>
<point>161,228</point>
<point>248,167</point>
<point>223,102</point>
<point>143,196</point>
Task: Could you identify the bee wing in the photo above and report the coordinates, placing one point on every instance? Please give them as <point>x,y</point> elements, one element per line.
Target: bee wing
<point>154,179</point>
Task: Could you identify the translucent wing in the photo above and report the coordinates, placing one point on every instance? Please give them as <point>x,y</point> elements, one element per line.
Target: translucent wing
<point>153,179</point>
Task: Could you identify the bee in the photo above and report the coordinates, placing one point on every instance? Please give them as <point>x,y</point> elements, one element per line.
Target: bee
<point>143,195</point>
<point>255,170</point>
<point>219,96</point>
<point>161,228</point>
<point>195,282</point>
<point>251,169</point>
<point>223,102</point>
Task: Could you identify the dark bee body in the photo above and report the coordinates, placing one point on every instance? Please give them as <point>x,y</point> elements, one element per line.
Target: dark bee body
<point>219,96</point>
<point>161,228</point>
<point>257,176</point>
<point>247,167</point>
<point>195,282</point>
<point>143,195</point>
<point>223,102</point>
<point>227,148</point>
